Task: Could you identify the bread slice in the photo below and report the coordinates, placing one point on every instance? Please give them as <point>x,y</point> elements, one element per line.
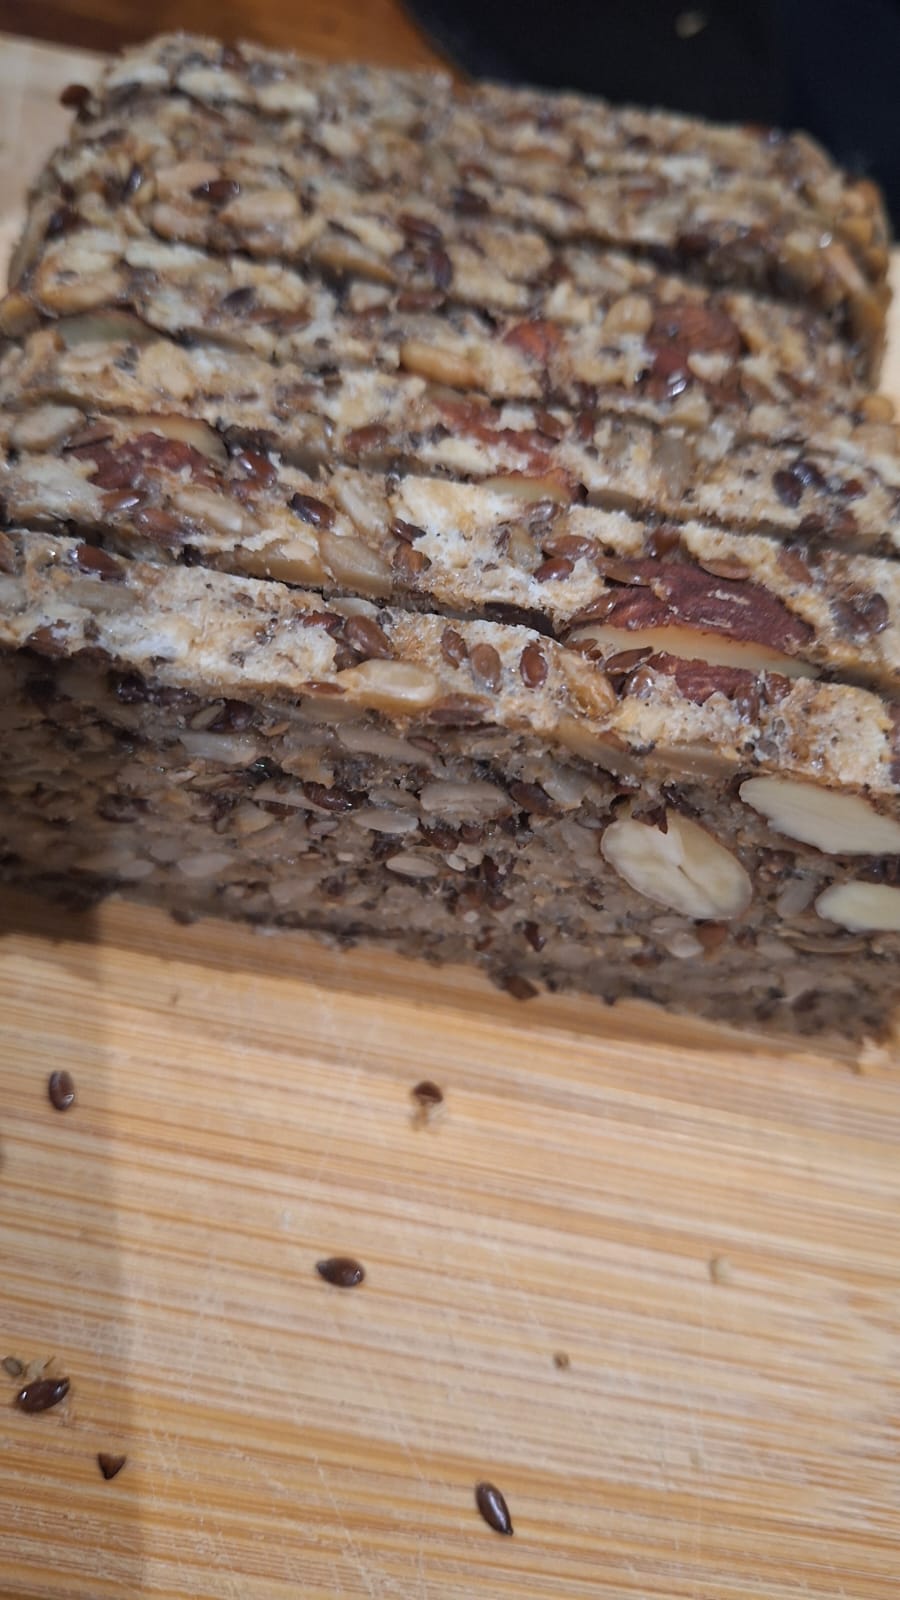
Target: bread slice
<point>846,492</point>
<point>738,204</point>
<point>636,591</point>
<point>219,744</point>
<point>611,332</point>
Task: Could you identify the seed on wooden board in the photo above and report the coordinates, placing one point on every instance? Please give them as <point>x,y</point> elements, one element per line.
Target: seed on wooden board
<point>428,1098</point>
<point>42,1394</point>
<point>342,1271</point>
<point>493,1507</point>
<point>12,1366</point>
<point>561,1361</point>
<point>427,1093</point>
<point>110,1465</point>
<point>61,1090</point>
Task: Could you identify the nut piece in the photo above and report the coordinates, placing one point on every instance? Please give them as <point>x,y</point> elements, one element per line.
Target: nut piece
<point>294,560</point>
<point>439,366</point>
<point>464,802</point>
<point>44,426</point>
<point>861,907</point>
<point>530,489</point>
<point>838,824</point>
<point>392,686</point>
<point>692,644</point>
<point>683,868</point>
<point>413,864</point>
<point>103,327</point>
<point>351,562</point>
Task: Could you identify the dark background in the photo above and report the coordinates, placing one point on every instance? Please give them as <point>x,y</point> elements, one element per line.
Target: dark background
<point>832,66</point>
<point>827,65</point>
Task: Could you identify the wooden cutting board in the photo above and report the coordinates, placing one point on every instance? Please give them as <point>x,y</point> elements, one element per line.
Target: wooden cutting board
<point>643,1275</point>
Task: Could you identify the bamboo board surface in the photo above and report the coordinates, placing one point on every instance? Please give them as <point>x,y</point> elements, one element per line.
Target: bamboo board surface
<point>721,1432</point>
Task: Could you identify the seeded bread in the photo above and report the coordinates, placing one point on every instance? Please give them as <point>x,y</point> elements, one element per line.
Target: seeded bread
<point>471,791</point>
<point>738,206</point>
<point>849,492</point>
<point>458,519</point>
<point>623,589</point>
<point>638,341</point>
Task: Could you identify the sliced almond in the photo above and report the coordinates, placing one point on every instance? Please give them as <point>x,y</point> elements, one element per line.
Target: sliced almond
<point>692,644</point>
<point>684,869</point>
<point>838,824</point>
<point>861,907</point>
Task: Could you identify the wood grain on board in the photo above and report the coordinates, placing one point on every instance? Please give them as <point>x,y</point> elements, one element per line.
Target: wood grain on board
<point>705,1225</point>
<point>373,30</point>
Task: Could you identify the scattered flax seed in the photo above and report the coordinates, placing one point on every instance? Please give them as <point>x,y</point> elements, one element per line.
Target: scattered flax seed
<point>342,1271</point>
<point>110,1465</point>
<point>493,1507</point>
<point>428,1098</point>
<point>61,1090</point>
<point>42,1394</point>
<point>561,1361</point>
